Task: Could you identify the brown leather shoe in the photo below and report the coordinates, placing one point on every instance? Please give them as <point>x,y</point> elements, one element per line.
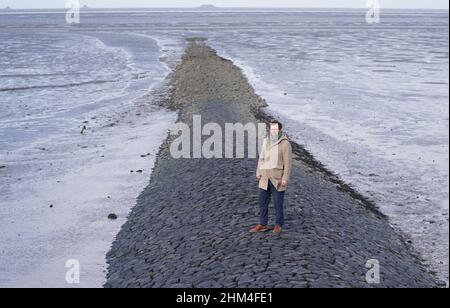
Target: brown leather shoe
<point>259,228</point>
<point>277,230</point>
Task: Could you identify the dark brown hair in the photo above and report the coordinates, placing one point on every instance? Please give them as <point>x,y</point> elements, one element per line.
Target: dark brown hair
<point>280,126</point>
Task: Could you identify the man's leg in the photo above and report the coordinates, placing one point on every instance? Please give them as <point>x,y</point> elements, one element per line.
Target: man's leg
<point>264,200</point>
<point>278,200</point>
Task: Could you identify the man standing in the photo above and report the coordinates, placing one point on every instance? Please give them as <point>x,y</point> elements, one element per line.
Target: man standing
<point>273,172</point>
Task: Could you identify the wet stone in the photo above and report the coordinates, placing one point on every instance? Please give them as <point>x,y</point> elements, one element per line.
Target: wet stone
<point>196,213</point>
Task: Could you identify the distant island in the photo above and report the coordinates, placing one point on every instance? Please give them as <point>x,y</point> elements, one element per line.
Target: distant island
<point>207,7</point>
<point>7,8</point>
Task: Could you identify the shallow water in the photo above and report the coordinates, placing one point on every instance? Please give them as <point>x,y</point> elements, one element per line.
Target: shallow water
<point>58,186</point>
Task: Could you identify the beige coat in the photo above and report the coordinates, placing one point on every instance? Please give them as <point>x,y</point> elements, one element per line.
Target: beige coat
<point>275,163</point>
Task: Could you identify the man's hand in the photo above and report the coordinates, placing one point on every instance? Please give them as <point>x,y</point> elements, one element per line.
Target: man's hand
<point>284,183</point>
<point>258,177</point>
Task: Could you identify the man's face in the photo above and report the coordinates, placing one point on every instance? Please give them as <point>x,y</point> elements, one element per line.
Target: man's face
<point>274,130</point>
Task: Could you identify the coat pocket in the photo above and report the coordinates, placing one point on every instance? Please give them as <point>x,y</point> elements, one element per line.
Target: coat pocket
<point>277,173</point>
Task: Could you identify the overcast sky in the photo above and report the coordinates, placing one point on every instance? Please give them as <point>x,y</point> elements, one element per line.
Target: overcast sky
<point>427,4</point>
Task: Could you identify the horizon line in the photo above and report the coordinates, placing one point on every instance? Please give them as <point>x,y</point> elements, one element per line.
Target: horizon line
<point>224,7</point>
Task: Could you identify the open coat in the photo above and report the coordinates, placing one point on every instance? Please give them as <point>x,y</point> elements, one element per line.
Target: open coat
<point>275,163</point>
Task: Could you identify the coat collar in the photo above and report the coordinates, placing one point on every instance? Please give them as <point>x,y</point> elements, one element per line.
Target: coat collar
<point>282,137</point>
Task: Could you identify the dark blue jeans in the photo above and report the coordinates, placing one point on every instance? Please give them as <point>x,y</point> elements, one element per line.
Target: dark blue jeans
<point>264,200</point>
